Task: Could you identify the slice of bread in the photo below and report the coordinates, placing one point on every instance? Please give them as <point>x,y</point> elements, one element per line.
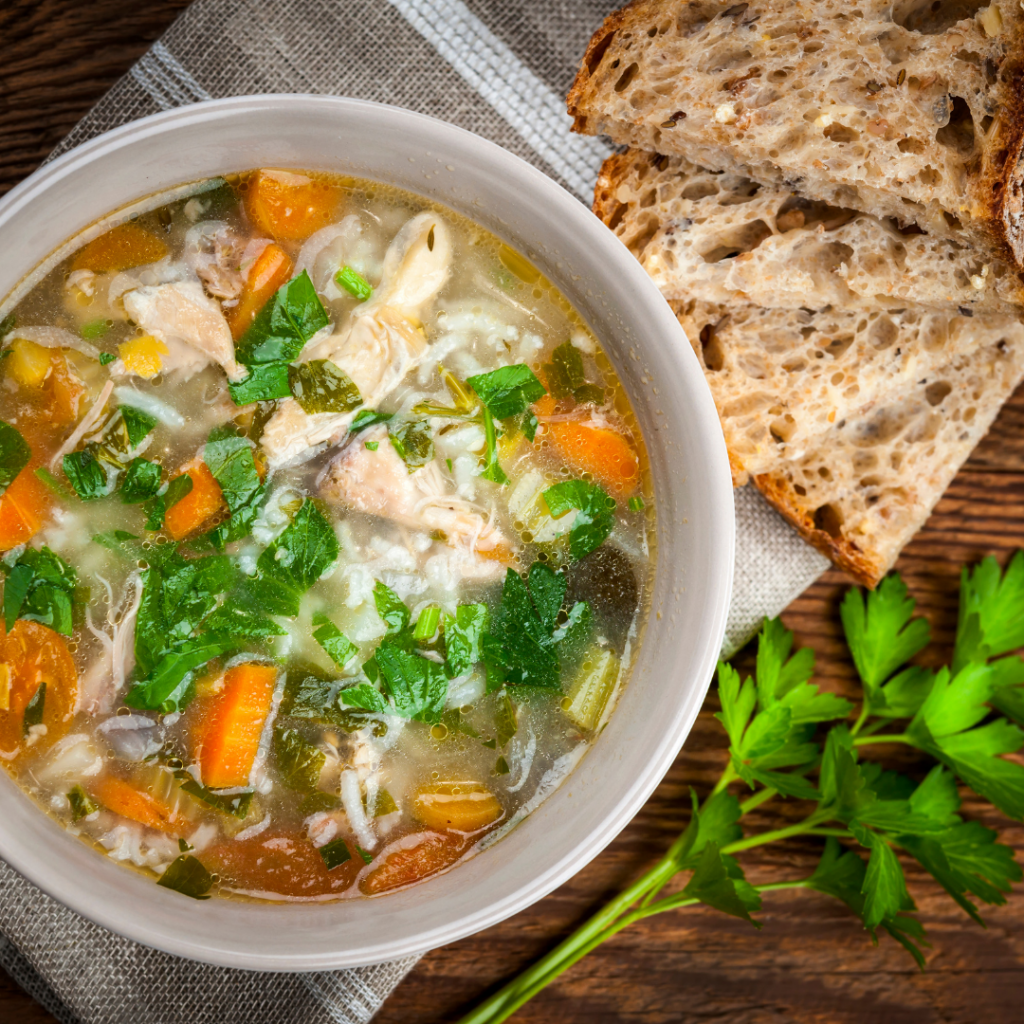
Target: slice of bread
<point>783,378</point>
<point>871,481</point>
<point>908,109</point>
<point>719,236</point>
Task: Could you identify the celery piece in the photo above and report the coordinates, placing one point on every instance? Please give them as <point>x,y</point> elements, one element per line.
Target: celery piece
<point>591,688</point>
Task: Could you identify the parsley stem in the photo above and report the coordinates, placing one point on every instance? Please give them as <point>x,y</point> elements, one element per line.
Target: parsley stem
<point>728,775</point>
<point>883,737</point>
<point>800,828</point>
<point>865,710</point>
<point>760,797</point>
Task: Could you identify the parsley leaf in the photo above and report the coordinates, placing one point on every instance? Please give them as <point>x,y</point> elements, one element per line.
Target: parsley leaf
<point>882,634</point>
<point>492,470</point>
<point>368,418</point>
<point>284,325</point>
<point>14,454</point>
<point>413,440</point>
<point>508,391</point>
<point>299,763</point>
<point>991,619</point>
<point>720,884</point>
<point>40,586</point>
<point>187,876</point>
<point>339,648</point>
<point>523,645</point>
<point>594,514</point>
<point>141,481</point>
<point>229,457</point>
<point>321,386</point>
<point>364,696</point>
<point>87,475</point>
<point>300,556</point>
<point>266,382</point>
<point>391,608</point>
<point>417,686</point>
<point>464,634</point>
<point>138,425</point>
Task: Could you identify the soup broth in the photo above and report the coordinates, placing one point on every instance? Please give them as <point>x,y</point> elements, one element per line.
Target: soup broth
<point>326,538</point>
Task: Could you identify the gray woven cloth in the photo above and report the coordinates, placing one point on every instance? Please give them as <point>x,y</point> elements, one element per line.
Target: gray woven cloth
<point>497,67</point>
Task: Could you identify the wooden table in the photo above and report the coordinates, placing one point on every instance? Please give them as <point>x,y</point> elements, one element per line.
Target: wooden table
<point>812,962</point>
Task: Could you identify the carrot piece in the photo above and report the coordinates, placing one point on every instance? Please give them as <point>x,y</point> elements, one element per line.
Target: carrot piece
<point>402,867</point>
<point>31,655</point>
<point>230,734</point>
<point>600,451</point>
<point>290,206</point>
<point>121,248</point>
<point>199,506</point>
<point>63,392</point>
<point>272,269</point>
<point>123,798</point>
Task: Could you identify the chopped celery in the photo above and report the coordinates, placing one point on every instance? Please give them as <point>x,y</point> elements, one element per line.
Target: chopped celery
<point>593,685</point>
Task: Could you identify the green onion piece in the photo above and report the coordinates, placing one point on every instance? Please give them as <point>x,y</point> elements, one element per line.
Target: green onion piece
<point>636,504</point>
<point>354,283</point>
<point>335,853</point>
<point>426,624</point>
<point>492,471</point>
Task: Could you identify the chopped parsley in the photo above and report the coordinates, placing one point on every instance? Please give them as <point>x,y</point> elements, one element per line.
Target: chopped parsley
<point>40,587</point>
<point>508,391</point>
<point>595,517</point>
<point>14,455</point>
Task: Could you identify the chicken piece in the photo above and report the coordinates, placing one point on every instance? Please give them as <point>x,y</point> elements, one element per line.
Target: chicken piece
<point>378,346</point>
<point>378,482</point>
<point>188,322</point>
<point>213,251</point>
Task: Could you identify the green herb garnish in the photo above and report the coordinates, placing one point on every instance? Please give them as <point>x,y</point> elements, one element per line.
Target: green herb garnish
<point>636,504</point>
<point>42,473</point>
<point>34,710</point>
<point>508,391</point>
<point>40,586</point>
<point>595,517</point>
<point>141,481</point>
<point>82,805</point>
<point>229,457</point>
<point>299,763</point>
<point>188,876</point>
<point>14,455</point>
<point>354,283</point>
<point>266,382</point>
<point>335,853</point>
<point>491,471</point>
<point>321,386</point>
<point>525,644</point>
<point>339,648</point>
<point>427,623</point>
<point>94,329</point>
<point>368,418</point>
<point>87,475</point>
<point>106,358</point>
<point>464,634</point>
<point>138,424</point>
<point>413,440</point>
<point>284,325</point>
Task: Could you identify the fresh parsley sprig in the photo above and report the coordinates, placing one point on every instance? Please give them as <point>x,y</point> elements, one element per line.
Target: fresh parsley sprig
<point>790,740</point>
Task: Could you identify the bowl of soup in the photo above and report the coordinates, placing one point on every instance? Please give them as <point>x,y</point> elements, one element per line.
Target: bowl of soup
<point>366,533</point>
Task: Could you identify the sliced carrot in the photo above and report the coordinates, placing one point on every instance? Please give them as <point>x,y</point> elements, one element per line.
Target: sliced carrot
<point>121,248</point>
<point>281,863</point>
<point>233,725</point>
<point>600,451</point>
<point>437,851</point>
<point>123,798</point>
<point>272,269</point>
<point>63,392</point>
<point>33,654</point>
<point>456,806</point>
<point>203,503</point>
<point>290,206</point>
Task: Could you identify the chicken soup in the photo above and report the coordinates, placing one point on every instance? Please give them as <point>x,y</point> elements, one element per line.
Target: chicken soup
<point>325,536</point>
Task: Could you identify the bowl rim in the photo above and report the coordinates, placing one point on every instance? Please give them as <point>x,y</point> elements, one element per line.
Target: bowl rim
<point>144,927</point>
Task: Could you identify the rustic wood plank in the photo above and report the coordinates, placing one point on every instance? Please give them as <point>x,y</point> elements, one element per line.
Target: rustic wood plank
<point>811,962</point>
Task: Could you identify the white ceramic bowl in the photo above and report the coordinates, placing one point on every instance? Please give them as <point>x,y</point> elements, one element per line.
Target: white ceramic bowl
<point>691,481</point>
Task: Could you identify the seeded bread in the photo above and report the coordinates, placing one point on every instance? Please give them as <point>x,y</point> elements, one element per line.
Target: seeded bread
<point>910,110</point>
<point>782,378</point>
<point>872,480</point>
<point>719,236</point>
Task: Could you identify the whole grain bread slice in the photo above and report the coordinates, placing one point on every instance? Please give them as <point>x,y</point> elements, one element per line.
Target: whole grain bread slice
<point>869,483</point>
<point>910,110</point>
<point>783,378</point>
<point>719,236</point>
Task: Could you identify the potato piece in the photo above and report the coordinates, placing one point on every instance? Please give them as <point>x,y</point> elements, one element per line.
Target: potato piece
<point>456,806</point>
<point>142,355</point>
<point>28,363</point>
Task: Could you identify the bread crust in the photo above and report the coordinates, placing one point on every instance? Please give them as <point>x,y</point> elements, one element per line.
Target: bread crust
<point>842,552</point>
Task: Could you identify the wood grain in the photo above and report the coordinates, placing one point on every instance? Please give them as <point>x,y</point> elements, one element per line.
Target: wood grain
<point>811,962</point>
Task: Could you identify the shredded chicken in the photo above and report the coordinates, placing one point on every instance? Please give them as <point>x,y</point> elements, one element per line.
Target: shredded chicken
<point>188,322</point>
<point>106,676</point>
<point>89,420</point>
<point>378,347</point>
<point>214,253</point>
<point>378,482</point>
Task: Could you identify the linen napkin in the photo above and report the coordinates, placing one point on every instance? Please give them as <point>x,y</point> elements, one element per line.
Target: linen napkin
<point>500,68</point>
